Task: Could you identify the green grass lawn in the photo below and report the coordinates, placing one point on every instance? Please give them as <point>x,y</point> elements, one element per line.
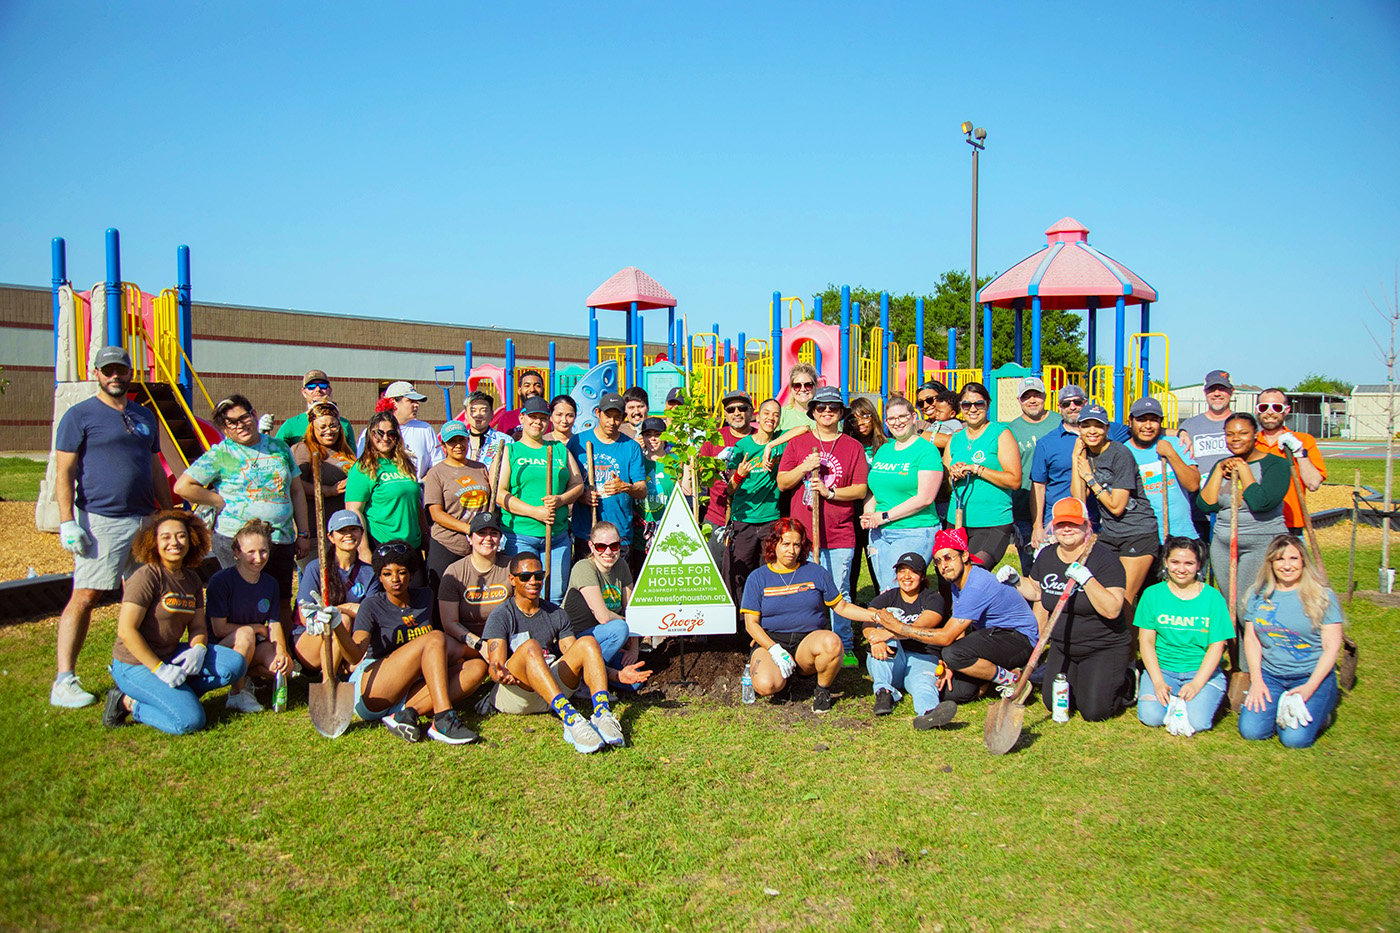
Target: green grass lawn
<point>855,823</point>
<point>19,478</point>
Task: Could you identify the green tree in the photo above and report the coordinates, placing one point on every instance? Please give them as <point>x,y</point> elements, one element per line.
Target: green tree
<point>688,426</point>
<point>1316,382</point>
<point>677,544</point>
<point>1061,332</point>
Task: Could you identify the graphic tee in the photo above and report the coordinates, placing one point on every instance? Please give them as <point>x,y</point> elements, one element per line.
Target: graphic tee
<point>928,600</point>
<point>984,503</point>
<point>991,604</point>
<point>1207,440</point>
<point>894,479</point>
<point>234,599</point>
<point>461,492</point>
<point>791,602</point>
<point>612,583</point>
<point>1290,646</point>
<point>756,499</point>
<point>842,464</point>
<point>114,451</point>
<point>548,624</point>
<point>622,459</point>
<point>1150,474</point>
<point>392,500</point>
<point>255,481</point>
<point>389,626</point>
<point>1186,628</point>
<point>168,602</point>
<point>659,486</point>
<point>1115,468</point>
<point>476,594</point>
<point>1081,625</point>
<point>529,467</point>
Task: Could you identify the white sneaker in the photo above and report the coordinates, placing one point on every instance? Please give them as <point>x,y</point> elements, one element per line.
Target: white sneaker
<point>70,694</point>
<point>607,727</point>
<point>582,736</point>
<point>244,702</point>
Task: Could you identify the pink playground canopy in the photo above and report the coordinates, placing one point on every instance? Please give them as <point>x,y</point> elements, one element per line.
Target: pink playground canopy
<point>629,285</point>
<point>1065,274</point>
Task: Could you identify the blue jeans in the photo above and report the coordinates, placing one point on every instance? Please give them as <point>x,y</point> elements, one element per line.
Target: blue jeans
<point>1200,709</point>
<point>611,637</point>
<point>176,710</point>
<point>886,544</point>
<point>837,561</point>
<point>1263,725</point>
<point>562,548</point>
<point>911,672</point>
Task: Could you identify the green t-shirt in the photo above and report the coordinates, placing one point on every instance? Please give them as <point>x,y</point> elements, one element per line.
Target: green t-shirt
<point>894,478</point>
<point>528,468</point>
<point>294,429</point>
<point>791,417</point>
<point>984,504</point>
<point>1185,627</point>
<point>392,501</point>
<point>756,500</point>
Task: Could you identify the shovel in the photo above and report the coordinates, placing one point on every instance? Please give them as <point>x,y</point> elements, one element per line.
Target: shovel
<point>1239,680</point>
<point>332,704</point>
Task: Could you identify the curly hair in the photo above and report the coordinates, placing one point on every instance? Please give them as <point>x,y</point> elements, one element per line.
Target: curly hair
<point>145,550</point>
<point>781,527</point>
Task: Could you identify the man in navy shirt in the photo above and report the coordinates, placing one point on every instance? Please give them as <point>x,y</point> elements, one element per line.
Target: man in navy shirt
<point>108,479</point>
<point>1051,466</point>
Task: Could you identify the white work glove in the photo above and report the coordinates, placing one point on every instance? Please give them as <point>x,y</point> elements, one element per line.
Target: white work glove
<point>190,660</point>
<point>783,660</point>
<point>1293,712</point>
<point>265,424</point>
<point>1177,721</point>
<point>73,538</point>
<point>172,676</point>
<point>1289,442</point>
<point>323,621</point>
<point>1079,573</point>
<point>1008,575</point>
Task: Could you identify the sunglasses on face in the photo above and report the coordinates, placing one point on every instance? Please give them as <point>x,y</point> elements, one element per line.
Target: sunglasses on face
<point>736,409</point>
<point>530,576</point>
<point>1072,403</point>
<point>972,405</point>
<point>319,384</point>
<point>927,400</point>
<point>826,406</point>
<point>605,546</point>
<point>245,418</point>
<point>1265,407</point>
<point>384,435</point>
<point>804,385</point>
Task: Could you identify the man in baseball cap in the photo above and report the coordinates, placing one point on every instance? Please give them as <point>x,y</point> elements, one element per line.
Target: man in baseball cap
<point>736,423</point>
<point>618,477</point>
<point>315,388</point>
<point>419,438</point>
<point>1203,435</point>
<point>1051,464</point>
<point>1035,422</point>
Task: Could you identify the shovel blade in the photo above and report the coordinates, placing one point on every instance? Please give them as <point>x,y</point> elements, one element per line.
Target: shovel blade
<point>1003,728</point>
<point>332,707</point>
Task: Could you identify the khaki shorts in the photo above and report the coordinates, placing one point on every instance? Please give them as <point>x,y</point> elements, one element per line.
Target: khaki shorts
<point>521,700</point>
<point>108,562</point>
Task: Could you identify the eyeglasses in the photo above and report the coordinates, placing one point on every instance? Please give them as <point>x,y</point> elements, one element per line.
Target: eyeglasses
<point>605,546</point>
<point>319,384</point>
<point>1265,407</point>
<point>245,418</point>
<point>827,406</point>
<point>972,405</point>
<point>384,435</point>
<point>804,385</point>
<point>1072,403</point>
<point>898,419</point>
<point>736,409</point>
<point>392,549</point>
<point>530,576</point>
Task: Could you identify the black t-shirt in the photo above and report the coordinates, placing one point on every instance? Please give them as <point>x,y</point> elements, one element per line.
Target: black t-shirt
<point>929,600</point>
<point>1116,468</point>
<point>549,624</point>
<point>391,626</point>
<point>1081,625</point>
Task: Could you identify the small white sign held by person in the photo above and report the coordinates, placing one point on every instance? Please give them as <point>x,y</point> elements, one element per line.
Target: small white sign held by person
<point>679,591</point>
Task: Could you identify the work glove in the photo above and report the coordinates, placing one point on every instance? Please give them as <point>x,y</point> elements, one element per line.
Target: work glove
<point>1289,442</point>
<point>73,538</point>
<point>1293,712</point>
<point>323,621</point>
<point>265,424</point>
<point>1008,575</point>
<point>1177,721</point>
<point>172,676</point>
<point>1079,573</point>
<point>783,660</point>
<point>190,660</point>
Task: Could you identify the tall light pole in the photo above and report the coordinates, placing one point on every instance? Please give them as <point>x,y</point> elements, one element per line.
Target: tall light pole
<point>976,138</point>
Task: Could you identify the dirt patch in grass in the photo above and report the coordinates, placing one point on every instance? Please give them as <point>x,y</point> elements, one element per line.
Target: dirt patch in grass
<point>26,546</point>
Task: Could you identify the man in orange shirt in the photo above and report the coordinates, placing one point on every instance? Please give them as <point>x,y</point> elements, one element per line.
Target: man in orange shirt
<point>1298,447</point>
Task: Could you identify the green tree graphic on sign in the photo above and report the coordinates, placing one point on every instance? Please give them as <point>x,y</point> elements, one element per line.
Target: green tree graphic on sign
<point>677,544</point>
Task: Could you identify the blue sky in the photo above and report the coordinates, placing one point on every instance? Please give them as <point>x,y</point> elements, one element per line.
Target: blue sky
<point>463,161</point>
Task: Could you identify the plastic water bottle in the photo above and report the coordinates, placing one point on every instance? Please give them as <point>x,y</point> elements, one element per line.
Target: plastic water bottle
<point>1059,698</point>
<point>746,685</point>
<point>279,693</point>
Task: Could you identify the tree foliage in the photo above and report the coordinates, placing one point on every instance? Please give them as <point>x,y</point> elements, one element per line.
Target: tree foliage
<point>1061,332</point>
<point>1316,382</point>
<point>688,426</point>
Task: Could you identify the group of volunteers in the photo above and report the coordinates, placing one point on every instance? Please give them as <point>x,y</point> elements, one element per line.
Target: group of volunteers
<point>502,547</point>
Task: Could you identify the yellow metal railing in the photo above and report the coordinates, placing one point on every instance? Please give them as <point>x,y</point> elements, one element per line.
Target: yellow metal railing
<point>1100,389</point>
<point>955,379</point>
<point>794,301</point>
<point>136,339</point>
<point>758,371</point>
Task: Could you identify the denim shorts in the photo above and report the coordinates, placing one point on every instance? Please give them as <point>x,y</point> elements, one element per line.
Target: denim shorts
<point>361,710</point>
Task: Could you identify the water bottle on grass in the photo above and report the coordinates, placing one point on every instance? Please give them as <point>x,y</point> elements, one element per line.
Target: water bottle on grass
<point>746,685</point>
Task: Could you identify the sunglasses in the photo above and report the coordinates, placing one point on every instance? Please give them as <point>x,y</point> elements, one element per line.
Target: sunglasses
<point>804,385</point>
<point>384,435</point>
<point>1266,407</point>
<point>735,409</point>
<point>927,400</point>
<point>392,549</point>
<point>827,406</point>
<point>129,422</point>
<point>972,406</point>
<point>318,384</point>
<point>1072,403</point>
<point>603,547</point>
<point>530,576</point>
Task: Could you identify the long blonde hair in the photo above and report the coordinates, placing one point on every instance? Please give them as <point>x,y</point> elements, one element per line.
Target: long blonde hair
<point>1312,593</point>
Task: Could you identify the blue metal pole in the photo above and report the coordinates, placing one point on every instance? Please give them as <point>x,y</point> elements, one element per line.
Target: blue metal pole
<point>671,334</point>
<point>743,363</point>
<point>726,360</point>
<point>467,365</point>
<point>1118,365</point>
<point>775,344</point>
<point>952,348</point>
<point>1146,326</point>
<point>846,343</point>
<point>1092,313</point>
<point>919,341</point>
<point>113,289</point>
<point>509,400</point>
<point>552,351</point>
<point>592,337</point>
<point>986,344</point>
<point>186,321</point>
<point>638,355</point>
<point>59,257</point>
<point>1035,336</point>
<point>1020,349</point>
<point>888,366</point>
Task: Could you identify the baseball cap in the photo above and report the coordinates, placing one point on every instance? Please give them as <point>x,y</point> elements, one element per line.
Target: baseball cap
<point>1094,413</point>
<point>315,375</point>
<point>484,521</point>
<point>534,405</point>
<point>1147,405</point>
<point>403,389</point>
<point>826,395</point>
<point>611,402</point>
<point>1069,509</point>
<point>108,356</point>
<point>1219,377</point>
<point>737,396</point>
<point>344,519</point>
<point>913,560</point>
<point>1072,391</point>
<point>1031,384</point>
<point>677,395</point>
<point>653,424</point>
<point>452,429</point>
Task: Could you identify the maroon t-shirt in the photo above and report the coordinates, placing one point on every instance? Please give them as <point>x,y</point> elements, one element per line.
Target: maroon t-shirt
<point>719,492</point>
<point>506,420</point>
<point>842,464</point>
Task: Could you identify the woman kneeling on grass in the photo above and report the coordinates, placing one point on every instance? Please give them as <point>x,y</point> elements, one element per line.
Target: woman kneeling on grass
<point>1292,636</point>
<point>785,612</point>
<point>243,614</point>
<point>403,661</point>
<point>160,662</point>
<point>347,584</point>
<point>1183,626</point>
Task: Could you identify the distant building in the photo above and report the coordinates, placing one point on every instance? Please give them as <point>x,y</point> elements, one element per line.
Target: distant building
<point>1191,399</point>
<point>1367,412</point>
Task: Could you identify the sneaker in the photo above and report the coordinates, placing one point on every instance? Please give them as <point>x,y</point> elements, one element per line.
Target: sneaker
<point>849,659</point>
<point>114,712</point>
<point>244,702</point>
<point>607,726</point>
<point>821,699</point>
<point>448,727</point>
<point>404,724</point>
<point>1007,689</point>
<point>70,694</point>
<point>884,702</point>
<point>582,736</point>
<point>938,717</point>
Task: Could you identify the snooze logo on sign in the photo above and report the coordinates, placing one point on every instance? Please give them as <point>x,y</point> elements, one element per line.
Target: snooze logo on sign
<point>673,622</point>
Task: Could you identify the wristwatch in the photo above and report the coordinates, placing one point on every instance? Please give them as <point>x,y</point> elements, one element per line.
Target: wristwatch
<point>884,516</point>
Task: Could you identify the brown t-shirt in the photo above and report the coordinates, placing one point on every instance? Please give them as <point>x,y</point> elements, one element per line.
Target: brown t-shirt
<point>170,601</point>
<point>475,593</point>
<point>332,472</point>
<point>461,492</point>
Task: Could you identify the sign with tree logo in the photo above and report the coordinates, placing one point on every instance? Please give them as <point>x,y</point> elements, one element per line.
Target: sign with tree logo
<point>679,591</point>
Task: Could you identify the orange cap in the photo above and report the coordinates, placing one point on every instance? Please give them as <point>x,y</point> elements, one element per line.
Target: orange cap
<point>1069,509</point>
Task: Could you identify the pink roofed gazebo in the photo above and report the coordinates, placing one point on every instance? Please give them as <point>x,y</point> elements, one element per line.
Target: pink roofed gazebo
<point>633,291</point>
<point>1068,274</point>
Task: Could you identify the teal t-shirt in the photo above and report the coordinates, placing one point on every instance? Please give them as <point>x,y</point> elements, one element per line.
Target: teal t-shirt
<point>984,504</point>
<point>528,469</point>
<point>392,501</point>
<point>1185,628</point>
<point>756,499</point>
<point>894,478</point>
<point>255,482</point>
